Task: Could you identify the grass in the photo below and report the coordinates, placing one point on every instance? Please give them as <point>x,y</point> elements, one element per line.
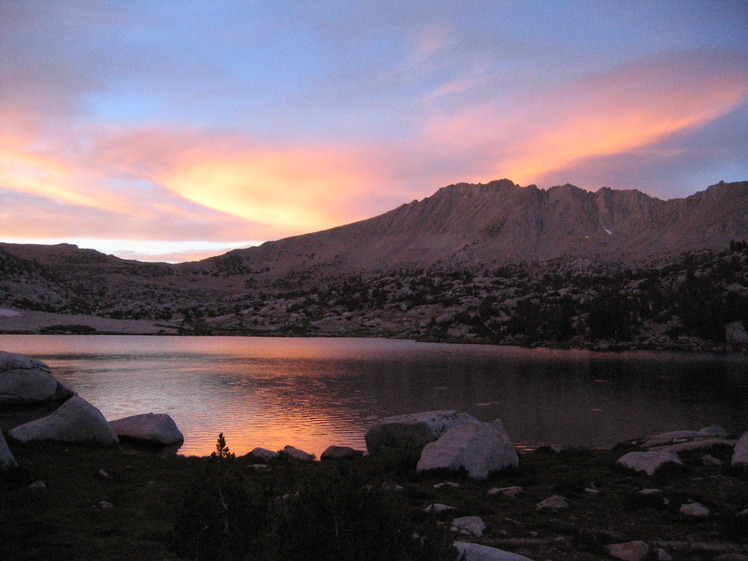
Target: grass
<point>161,504</point>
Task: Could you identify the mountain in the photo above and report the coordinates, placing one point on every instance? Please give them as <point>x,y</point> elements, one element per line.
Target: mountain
<point>501,222</point>
<point>492,263</point>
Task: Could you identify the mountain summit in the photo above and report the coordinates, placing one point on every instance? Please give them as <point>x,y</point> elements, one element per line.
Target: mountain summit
<point>501,222</point>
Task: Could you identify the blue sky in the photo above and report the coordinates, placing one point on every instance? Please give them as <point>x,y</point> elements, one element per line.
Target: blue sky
<point>176,129</point>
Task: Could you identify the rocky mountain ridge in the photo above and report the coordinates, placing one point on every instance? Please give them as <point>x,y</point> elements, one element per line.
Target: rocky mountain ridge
<point>500,222</point>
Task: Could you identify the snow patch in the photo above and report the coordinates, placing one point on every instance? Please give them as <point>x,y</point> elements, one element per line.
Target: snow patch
<point>610,233</point>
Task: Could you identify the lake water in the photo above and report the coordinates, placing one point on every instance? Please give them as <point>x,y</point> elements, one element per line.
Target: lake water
<point>311,393</point>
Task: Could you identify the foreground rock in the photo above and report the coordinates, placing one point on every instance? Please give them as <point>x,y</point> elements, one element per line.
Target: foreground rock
<point>469,526</point>
<point>649,462</point>
<point>7,461</point>
<point>476,552</point>
<point>262,455</point>
<point>740,454</point>
<point>296,454</point>
<point>412,432</point>
<point>24,381</point>
<point>75,421</point>
<point>157,428</point>
<point>340,453</point>
<point>478,448</point>
<point>629,551</point>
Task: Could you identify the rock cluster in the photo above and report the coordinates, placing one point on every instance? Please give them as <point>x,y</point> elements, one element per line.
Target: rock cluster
<point>27,383</point>
<point>445,440</point>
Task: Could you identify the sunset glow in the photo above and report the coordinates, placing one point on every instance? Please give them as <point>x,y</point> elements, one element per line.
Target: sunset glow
<point>189,129</point>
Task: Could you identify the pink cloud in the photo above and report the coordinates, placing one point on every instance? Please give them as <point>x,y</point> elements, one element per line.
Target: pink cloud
<point>622,110</point>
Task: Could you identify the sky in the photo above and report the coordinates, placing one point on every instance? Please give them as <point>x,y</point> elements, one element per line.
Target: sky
<point>178,129</point>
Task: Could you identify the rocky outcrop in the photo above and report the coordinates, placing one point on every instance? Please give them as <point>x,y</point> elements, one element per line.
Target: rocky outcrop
<point>7,461</point>
<point>649,462</point>
<point>740,454</point>
<point>156,428</point>
<point>75,421</point>
<point>478,448</point>
<point>24,381</point>
<point>411,432</point>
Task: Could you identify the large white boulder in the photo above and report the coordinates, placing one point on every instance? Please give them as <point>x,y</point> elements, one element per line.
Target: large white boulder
<point>25,381</point>
<point>158,428</point>
<point>75,421</point>
<point>412,431</point>
<point>7,461</point>
<point>740,454</point>
<point>649,462</point>
<point>477,552</point>
<point>479,448</point>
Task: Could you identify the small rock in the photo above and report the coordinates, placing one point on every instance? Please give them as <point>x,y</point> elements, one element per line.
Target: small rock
<point>387,486</point>
<point>506,491</point>
<point>101,474</point>
<point>694,509</point>
<point>262,454</point>
<point>555,503</point>
<point>152,482</point>
<point>340,453</point>
<point>436,508</point>
<point>629,551</point>
<point>38,485</point>
<point>742,513</point>
<point>663,555</point>
<point>297,454</point>
<point>446,484</point>
<point>591,491</point>
<point>740,455</point>
<point>106,505</point>
<point>650,491</point>
<point>709,460</point>
<point>469,526</point>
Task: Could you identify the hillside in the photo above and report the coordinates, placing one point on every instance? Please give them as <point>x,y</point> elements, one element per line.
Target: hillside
<point>492,263</point>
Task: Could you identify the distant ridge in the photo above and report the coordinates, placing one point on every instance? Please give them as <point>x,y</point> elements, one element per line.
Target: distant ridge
<point>500,222</point>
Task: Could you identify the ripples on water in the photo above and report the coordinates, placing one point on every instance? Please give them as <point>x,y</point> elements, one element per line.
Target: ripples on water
<point>311,393</point>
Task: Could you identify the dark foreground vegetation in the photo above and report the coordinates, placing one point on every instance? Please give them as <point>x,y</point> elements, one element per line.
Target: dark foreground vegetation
<point>126,504</point>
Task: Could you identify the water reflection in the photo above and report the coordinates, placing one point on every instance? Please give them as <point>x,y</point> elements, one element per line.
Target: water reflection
<point>315,392</point>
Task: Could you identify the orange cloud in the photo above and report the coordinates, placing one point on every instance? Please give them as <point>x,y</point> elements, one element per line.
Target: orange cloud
<point>23,170</point>
<point>625,110</point>
<point>297,190</point>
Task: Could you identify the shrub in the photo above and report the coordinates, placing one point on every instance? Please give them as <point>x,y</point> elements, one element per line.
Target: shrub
<point>301,511</point>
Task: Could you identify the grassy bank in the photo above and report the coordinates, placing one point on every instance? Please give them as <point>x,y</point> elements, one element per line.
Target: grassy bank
<point>126,504</point>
